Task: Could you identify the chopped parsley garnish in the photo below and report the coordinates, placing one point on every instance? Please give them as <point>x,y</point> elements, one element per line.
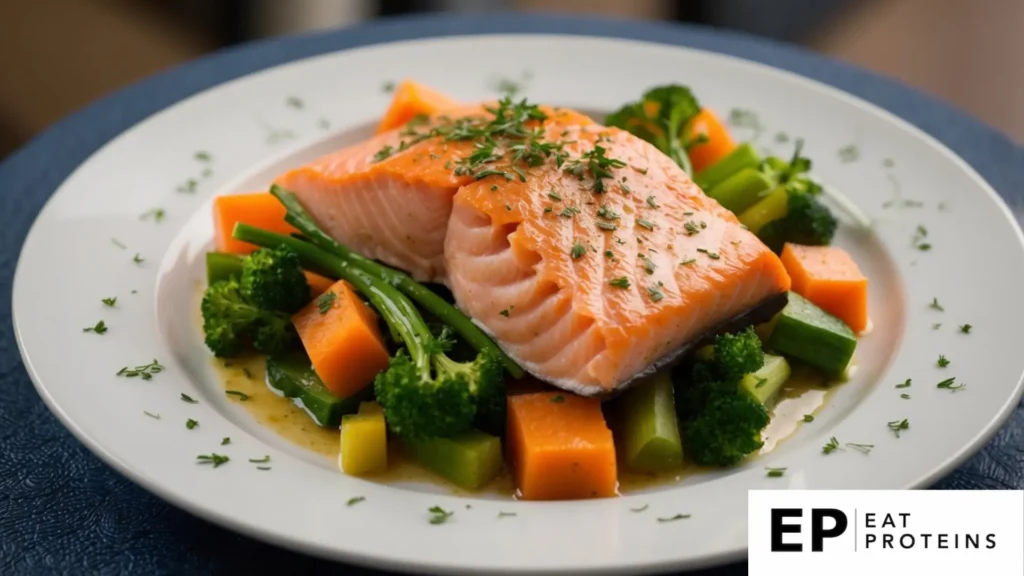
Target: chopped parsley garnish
<point>712,255</point>
<point>652,203</point>
<point>190,423</point>
<point>775,472</point>
<point>203,156</point>
<point>863,448</point>
<point>138,259</point>
<point>655,292</point>
<point>242,396</point>
<point>688,261</point>
<point>674,518</point>
<point>966,328</point>
<point>831,446</point>
<point>325,301</point>
<point>599,165</point>
<point>145,371</point>
<point>781,137</point>
<point>645,223</point>
<point>118,243</point>
<point>225,441</point>
<point>215,459</point>
<point>609,254</point>
<point>547,209</point>
<point>494,187</point>
<point>505,312</point>
<point>263,460</point>
<point>569,212</point>
<point>189,399</point>
<point>110,302</point>
<point>578,250</point>
<point>99,328</point>
<point>905,384</point>
<point>649,265</point>
<point>640,509</point>
<point>439,515</point>
<point>508,207</point>
<point>608,226</point>
<point>263,468</point>
<point>937,325</point>
<point>558,399</point>
<point>897,425</point>
<point>935,305</point>
<point>691,228</point>
<point>384,153</point>
<point>189,186</point>
<point>355,500</point>
<point>905,396</point>
<point>760,382</point>
<point>950,384</point>
<point>808,417</point>
<point>742,118</point>
<point>506,514</point>
<point>888,163</point>
<point>607,213</point>
<point>555,196</point>
<point>151,415</point>
<point>943,361</point>
<point>294,102</point>
<point>620,282</point>
<point>387,87</point>
<point>156,214</point>
<point>918,240</point>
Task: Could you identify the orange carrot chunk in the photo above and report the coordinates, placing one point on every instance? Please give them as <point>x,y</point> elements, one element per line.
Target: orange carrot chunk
<point>341,336</point>
<point>317,284</point>
<point>561,447</point>
<point>411,100</point>
<point>259,209</point>
<point>719,142</point>
<point>828,277</point>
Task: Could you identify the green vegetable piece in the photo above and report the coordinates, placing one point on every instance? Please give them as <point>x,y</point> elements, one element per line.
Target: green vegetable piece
<point>764,384</point>
<point>273,279</point>
<point>661,118</point>
<point>807,221</point>
<point>741,190</point>
<point>222,266</point>
<point>808,333</point>
<point>292,376</point>
<point>744,156</point>
<point>768,209</point>
<point>469,459</point>
<point>648,434</point>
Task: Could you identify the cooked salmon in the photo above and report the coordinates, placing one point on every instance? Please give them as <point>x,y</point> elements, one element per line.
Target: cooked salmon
<point>591,257</point>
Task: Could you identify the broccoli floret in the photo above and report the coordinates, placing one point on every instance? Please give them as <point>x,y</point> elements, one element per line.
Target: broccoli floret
<point>273,279</point>
<point>231,322</point>
<point>807,221</point>
<point>721,423</point>
<point>660,117</point>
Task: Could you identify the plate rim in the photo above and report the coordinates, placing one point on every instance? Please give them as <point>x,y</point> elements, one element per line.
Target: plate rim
<point>125,468</point>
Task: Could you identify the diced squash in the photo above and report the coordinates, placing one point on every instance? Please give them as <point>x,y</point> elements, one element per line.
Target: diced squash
<point>343,342</point>
<point>364,441</point>
<point>259,209</point>
<point>317,284</point>
<point>719,143</point>
<point>561,447</point>
<point>411,100</point>
<point>828,277</point>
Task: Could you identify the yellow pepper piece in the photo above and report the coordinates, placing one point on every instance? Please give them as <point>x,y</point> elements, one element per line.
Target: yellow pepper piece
<point>364,441</point>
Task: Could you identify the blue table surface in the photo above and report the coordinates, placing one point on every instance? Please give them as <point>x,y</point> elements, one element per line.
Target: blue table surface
<point>62,511</point>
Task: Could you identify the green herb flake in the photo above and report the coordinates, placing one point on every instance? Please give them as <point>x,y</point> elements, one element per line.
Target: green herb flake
<point>620,282</point>
<point>506,514</point>
<point>640,509</point>
<point>385,153</point>
<point>569,212</point>
<point>905,384</point>
<point>781,138</point>
<point>189,186</point>
<point>905,396</point>
<point>151,415</point>
<point>936,306</point>
<point>144,372</point>
<point>966,328</point>
<point>761,382</point>
<point>118,243</point>
<point>99,328</point>
<point>263,460</point>
<point>943,361</point>
<point>156,214</point>
<point>558,399</point>
<point>775,472</point>
<point>808,417</point>
<point>295,103</point>
<point>688,261</point>
<point>649,265</point>
<point>438,515</point>
<point>325,302</point>
<point>607,226</point>
<point>898,425</point>
<point>215,459</point>
<point>138,259</point>
<point>651,202</point>
<point>264,468</point>
<point>578,251</point>
<point>202,156</point>
<point>225,441</point>
<point>189,399</point>
<point>555,196</point>
<point>242,396</point>
<point>645,223</point>
<point>674,518</point>
<point>190,423</point>
<point>691,228</point>
<point>712,255</point>
<point>355,500</point>
<point>547,209</point>
<point>109,302</point>
<point>862,448</point>
<point>849,153</point>
<point>607,213</point>
<point>831,446</point>
<point>950,384</point>
<point>654,291</point>
<point>387,87</point>
<point>505,312</point>
<point>937,325</point>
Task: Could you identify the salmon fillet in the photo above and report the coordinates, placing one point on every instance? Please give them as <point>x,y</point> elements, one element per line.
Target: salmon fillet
<point>389,198</point>
<point>587,282</point>
<point>589,290</point>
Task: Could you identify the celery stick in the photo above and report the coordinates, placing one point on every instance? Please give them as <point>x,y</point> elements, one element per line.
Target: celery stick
<point>740,191</point>
<point>648,432</point>
<point>766,382</point>
<point>744,156</point>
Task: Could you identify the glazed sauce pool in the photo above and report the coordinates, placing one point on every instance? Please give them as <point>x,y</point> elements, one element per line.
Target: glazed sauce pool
<point>805,393</point>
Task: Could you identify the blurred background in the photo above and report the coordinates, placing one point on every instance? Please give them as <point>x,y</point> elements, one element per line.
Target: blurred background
<point>57,55</point>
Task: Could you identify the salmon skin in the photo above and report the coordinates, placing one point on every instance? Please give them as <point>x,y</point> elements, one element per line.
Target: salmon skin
<point>588,255</point>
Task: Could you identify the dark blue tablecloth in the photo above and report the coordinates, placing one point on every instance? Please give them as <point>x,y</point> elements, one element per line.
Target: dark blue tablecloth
<point>64,512</point>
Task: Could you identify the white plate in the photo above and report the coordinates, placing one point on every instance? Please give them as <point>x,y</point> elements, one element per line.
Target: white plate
<point>69,262</point>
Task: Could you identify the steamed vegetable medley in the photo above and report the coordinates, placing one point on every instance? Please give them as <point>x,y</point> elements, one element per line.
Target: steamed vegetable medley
<point>364,347</point>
